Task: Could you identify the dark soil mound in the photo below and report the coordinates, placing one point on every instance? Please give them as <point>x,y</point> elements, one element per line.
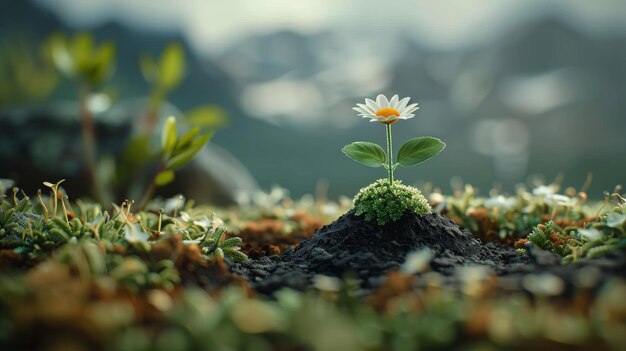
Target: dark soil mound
<point>353,245</point>
<point>367,251</point>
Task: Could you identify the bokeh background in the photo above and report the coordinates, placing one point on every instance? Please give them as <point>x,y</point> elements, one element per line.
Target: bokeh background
<point>515,88</point>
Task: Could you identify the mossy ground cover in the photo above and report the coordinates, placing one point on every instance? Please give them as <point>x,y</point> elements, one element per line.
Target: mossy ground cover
<point>79,276</point>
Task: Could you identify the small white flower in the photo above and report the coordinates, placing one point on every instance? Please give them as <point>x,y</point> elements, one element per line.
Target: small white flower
<point>203,223</point>
<point>590,234</point>
<point>386,111</point>
<point>186,217</point>
<point>326,283</point>
<point>134,233</point>
<point>500,201</point>
<point>437,198</point>
<point>417,261</point>
<point>561,200</point>
<point>544,190</point>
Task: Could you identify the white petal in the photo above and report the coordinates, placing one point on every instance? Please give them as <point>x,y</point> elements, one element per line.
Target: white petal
<point>372,105</point>
<point>408,108</point>
<point>382,101</point>
<point>402,104</point>
<point>361,111</point>
<point>393,103</point>
<point>364,107</point>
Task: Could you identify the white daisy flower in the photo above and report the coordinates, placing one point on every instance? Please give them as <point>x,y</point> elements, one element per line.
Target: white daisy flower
<point>386,111</point>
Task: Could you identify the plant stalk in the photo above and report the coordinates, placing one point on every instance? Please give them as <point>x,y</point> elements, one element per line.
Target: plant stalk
<point>389,155</point>
<point>149,193</point>
<point>89,145</point>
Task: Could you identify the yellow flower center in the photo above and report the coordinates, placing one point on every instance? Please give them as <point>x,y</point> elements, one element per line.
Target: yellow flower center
<point>387,111</point>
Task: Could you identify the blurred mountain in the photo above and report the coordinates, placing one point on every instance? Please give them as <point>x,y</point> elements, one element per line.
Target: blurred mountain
<point>543,98</point>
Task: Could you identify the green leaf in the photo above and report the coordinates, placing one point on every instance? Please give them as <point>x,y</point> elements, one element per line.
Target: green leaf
<point>168,137</point>
<point>231,242</point>
<point>102,63</point>
<point>418,150</point>
<point>164,177</point>
<point>61,55</point>
<point>149,68</point>
<point>236,255</point>
<point>187,138</point>
<point>366,153</point>
<point>81,47</point>
<point>185,156</point>
<point>208,116</point>
<point>171,66</point>
<point>219,233</point>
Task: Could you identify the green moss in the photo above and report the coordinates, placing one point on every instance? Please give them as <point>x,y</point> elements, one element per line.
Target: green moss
<point>386,203</point>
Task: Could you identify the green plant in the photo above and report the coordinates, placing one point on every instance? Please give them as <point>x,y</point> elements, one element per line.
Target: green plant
<point>26,72</point>
<point>214,244</point>
<point>176,152</point>
<point>141,153</point>
<point>164,74</point>
<point>383,202</point>
<point>387,112</point>
<point>33,232</point>
<point>605,236</point>
<point>89,66</point>
<point>388,203</point>
<point>549,237</point>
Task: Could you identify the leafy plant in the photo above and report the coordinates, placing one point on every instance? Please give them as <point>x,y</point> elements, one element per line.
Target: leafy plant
<point>176,152</point>
<point>214,244</point>
<point>34,233</point>
<point>388,203</point>
<point>548,237</point>
<point>80,59</point>
<point>603,237</point>
<point>506,218</point>
<point>164,74</point>
<point>89,65</point>
<point>387,112</point>
<point>26,71</point>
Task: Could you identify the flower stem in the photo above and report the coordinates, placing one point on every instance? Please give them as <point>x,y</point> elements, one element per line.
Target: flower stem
<point>389,155</point>
<point>149,194</point>
<point>90,146</point>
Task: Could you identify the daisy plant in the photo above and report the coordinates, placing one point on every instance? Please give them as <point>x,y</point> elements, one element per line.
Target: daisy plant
<point>413,152</point>
<point>388,112</point>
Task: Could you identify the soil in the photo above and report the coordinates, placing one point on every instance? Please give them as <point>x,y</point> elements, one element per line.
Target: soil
<point>367,251</point>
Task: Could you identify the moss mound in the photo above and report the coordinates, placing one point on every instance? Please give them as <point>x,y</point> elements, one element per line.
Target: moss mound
<point>384,203</point>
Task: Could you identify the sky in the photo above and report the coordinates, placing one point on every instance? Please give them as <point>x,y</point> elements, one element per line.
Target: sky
<point>211,26</point>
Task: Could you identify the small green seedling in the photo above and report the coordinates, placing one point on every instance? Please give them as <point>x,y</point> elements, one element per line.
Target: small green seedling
<point>411,153</point>
<point>216,245</point>
<point>176,152</point>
